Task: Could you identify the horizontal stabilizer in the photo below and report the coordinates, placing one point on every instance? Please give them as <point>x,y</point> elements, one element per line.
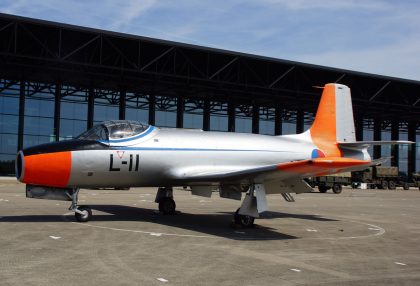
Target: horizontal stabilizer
<point>361,144</point>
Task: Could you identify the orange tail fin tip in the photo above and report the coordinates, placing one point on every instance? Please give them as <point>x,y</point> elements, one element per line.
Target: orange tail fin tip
<point>333,121</point>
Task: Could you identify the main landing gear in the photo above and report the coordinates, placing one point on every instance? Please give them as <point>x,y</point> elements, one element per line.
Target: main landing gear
<point>165,199</point>
<point>245,215</point>
<point>244,221</point>
<point>82,213</point>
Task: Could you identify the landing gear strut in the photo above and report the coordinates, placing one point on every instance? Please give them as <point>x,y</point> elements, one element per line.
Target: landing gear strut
<point>244,219</point>
<point>82,213</point>
<point>165,199</point>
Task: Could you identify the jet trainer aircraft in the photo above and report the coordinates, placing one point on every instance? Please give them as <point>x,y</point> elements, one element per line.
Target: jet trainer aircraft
<point>123,154</point>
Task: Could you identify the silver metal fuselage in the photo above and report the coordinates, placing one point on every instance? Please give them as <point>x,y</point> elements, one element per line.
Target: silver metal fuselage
<point>165,157</point>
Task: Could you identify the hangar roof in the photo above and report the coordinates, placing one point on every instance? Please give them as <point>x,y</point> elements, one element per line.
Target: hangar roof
<point>38,50</point>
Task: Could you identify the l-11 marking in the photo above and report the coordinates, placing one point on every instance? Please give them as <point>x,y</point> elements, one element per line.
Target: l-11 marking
<point>124,162</point>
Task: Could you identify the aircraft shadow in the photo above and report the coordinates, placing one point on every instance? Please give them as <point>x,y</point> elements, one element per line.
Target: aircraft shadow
<point>217,224</point>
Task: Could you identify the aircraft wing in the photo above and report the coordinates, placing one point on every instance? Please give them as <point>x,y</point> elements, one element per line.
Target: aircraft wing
<point>283,172</point>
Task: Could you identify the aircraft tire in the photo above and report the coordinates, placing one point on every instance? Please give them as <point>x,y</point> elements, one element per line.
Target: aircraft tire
<point>167,206</point>
<point>86,216</point>
<point>243,220</point>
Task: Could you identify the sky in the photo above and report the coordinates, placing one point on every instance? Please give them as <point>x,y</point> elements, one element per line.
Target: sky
<point>374,36</point>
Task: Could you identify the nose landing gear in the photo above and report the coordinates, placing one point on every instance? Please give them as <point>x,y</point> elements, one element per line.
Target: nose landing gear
<point>82,213</point>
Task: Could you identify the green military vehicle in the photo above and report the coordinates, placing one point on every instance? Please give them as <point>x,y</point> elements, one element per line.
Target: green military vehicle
<point>334,182</point>
<point>382,177</point>
<point>415,181</point>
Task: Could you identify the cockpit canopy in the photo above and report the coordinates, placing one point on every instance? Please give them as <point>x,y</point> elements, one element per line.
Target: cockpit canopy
<point>113,130</point>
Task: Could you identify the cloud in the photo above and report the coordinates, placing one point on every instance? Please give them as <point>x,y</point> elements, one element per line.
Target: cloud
<point>399,59</point>
<point>127,12</point>
<point>329,4</point>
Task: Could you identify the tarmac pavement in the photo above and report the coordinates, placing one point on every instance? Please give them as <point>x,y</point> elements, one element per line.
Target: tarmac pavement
<point>359,237</point>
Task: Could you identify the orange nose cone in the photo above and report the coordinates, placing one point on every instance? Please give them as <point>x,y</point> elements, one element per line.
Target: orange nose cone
<point>50,169</point>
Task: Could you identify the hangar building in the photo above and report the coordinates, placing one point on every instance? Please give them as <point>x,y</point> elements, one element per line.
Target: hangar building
<point>57,80</point>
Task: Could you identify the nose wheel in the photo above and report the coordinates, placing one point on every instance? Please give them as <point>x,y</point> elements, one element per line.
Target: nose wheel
<point>82,213</point>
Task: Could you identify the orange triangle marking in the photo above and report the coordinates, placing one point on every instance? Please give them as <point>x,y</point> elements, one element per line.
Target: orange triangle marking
<point>120,154</point>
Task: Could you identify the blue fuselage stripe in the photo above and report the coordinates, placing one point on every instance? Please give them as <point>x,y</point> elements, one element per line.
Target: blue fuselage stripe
<point>189,149</point>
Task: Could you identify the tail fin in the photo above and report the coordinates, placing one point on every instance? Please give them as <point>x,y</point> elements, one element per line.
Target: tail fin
<point>334,120</point>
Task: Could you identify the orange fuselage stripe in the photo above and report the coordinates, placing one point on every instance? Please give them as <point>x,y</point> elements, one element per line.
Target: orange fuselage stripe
<point>320,166</point>
<point>323,130</point>
<point>50,169</point>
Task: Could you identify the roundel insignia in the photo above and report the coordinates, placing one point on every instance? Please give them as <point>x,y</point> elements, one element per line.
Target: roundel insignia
<point>316,153</point>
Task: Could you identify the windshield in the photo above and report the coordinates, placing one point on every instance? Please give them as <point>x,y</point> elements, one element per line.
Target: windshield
<point>115,129</point>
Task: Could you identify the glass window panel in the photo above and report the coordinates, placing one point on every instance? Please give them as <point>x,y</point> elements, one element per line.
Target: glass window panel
<point>8,143</point>
<point>166,108</point>
<point>309,119</point>
<point>31,140</point>
<point>193,121</point>
<point>137,107</point>
<point>165,119</point>
<point>9,105</point>
<point>368,136</point>
<point>218,123</point>
<point>39,126</point>
<point>243,124</point>
<point>266,127</point>
<point>243,119</point>
<point>9,123</point>
<point>137,114</point>
<point>386,149</point>
<point>72,110</point>
<point>71,128</point>
<point>288,128</point>
<point>403,154</point>
<point>193,114</point>
<point>218,116</point>
<point>37,107</point>
<point>103,113</point>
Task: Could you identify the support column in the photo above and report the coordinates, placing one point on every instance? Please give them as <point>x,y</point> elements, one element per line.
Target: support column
<point>179,112</point>
<point>206,115</point>
<point>377,127</point>
<point>91,106</point>
<point>278,121</point>
<point>255,119</point>
<point>123,95</point>
<point>152,109</point>
<point>21,114</point>
<point>359,128</point>
<point>57,111</point>
<point>395,135</point>
<point>412,126</point>
<point>231,117</point>
<point>300,121</point>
